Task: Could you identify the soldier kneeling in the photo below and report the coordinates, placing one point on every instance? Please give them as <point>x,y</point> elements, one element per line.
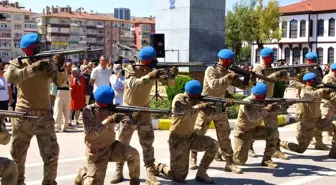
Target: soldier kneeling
<point>8,168</point>
<point>183,138</point>
<point>101,146</point>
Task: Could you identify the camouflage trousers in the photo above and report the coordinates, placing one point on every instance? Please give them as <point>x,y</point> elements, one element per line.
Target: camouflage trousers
<point>44,129</point>
<point>97,161</point>
<point>8,171</point>
<point>243,138</point>
<point>307,129</point>
<point>327,116</point>
<point>145,133</point>
<point>222,129</point>
<point>180,147</point>
<point>271,121</point>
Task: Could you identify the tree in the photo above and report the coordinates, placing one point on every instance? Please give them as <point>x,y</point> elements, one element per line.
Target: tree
<point>253,23</point>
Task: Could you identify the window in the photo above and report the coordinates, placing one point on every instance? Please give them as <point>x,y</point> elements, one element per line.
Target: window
<point>330,55</point>
<point>320,55</point>
<point>257,59</point>
<point>26,17</point>
<point>320,27</point>
<point>332,27</point>
<point>293,27</point>
<point>17,26</point>
<point>3,25</point>
<point>311,26</point>
<point>284,29</point>
<point>275,54</point>
<point>304,53</point>
<point>296,55</point>
<point>302,28</point>
<point>5,35</point>
<point>287,55</point>
<point>17,17</point>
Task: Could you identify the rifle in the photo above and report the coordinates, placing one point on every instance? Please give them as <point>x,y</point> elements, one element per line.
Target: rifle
<point>219,102</point>
<point>292,69</point>
<point>48,54</point>
<point>246,73</point>
<point>327,85</point>
<point>129,110</point>
<point>285,101</point>
<point>15,114</point>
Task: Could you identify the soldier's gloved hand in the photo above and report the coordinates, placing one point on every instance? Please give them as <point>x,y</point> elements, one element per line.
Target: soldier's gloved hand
<point>108,121</point>
<point>232,76</point>
<point>271,107</point>
<point>155,74</point>
<point>207,108</point>
<point>41,65</point>
<point>290,103</point>
<point>229,102</point>
<point>173,71</point>
<point>326,90</point>
<point>118,117</point>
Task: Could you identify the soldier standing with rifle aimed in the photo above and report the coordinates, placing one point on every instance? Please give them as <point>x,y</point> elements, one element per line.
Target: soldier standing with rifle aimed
<point>32,77</point>
<point>270,120</point>
<point>216,81</point>
<point>138,84</point>
<point>309,115</point>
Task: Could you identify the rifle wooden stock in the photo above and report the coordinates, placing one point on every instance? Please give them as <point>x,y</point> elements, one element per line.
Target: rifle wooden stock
<point>292,67</point>
<point>284,100</point>
<point>224,100</point>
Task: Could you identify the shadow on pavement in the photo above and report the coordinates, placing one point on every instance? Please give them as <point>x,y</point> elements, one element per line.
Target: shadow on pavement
<point>222,181</point>
<point>319,158</point>
<point>292,170</point>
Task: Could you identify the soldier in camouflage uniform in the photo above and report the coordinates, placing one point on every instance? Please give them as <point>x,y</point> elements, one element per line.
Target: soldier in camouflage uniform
<point>271,119</point>
<point>216,81</point>
<point>309,115</point>
<point>183,138</point>
<point>8,168</point>
<point>138,84</point>
<point>33,79</point>
<point>101,146</point>
<point>311,59</point>
<point>248,128</point>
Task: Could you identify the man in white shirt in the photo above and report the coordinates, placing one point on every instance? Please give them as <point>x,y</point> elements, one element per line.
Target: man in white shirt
<point>101,74</point>
<point>85,63</point>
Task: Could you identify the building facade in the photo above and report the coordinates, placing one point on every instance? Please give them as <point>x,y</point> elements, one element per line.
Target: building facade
<point>18,22</point>
<point>143,28</point>
<point>62,28</point>
<point>306,26</point>
<point>122,13</point>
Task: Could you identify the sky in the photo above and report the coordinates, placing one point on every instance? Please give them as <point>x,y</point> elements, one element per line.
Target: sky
<point>139,8</point>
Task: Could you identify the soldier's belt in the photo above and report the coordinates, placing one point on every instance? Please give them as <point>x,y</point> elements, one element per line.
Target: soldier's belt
<point>34,112</point>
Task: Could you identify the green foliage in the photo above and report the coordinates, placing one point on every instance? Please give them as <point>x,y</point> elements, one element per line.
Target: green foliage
<point>178,87</point>
<point>161,104</point>
<point>252,22</point>
<point>233,110</point>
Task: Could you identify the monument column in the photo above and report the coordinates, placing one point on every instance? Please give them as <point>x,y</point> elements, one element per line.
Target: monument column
<point>194,30</point>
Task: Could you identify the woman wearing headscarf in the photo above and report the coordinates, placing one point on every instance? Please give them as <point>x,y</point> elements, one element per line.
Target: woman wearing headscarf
<point>117,81</point>
<point>77,84</point>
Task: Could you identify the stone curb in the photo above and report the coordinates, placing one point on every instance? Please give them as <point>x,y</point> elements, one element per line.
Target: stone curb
<point>164,124</point>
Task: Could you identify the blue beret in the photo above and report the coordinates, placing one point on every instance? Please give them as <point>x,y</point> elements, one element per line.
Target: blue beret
<point>266,52</point>
<point>29,39</point>
<point>147,53</point>
<point>333,67</point>
<point>226,54</point>
<point>259,89</point>
<point>309,76</point>
<point>104,94</point>
<point>311,56</point>
<point>193,87</point>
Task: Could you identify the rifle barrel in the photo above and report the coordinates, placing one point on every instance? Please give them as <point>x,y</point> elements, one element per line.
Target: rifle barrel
<point>292,67</point>
<point>224,100</point>
<point>248,73</point>
<point>181,64</point>
<point>15,114</point>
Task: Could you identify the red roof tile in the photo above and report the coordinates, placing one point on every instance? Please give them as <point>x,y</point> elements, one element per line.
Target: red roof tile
<point>14,10</point>
<point>309,6</point>
<point>143,21</point>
